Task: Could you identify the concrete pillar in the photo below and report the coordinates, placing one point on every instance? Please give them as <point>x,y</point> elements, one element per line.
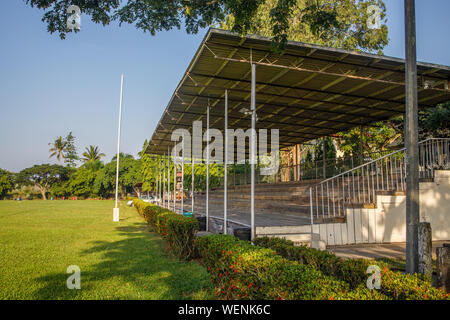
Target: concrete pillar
<point>443,267</point>
<point>425,250</point>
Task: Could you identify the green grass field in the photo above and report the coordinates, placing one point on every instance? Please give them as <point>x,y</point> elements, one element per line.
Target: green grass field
<point>118,260</point>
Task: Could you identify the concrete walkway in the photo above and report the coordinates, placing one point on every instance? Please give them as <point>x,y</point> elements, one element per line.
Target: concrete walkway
<point>390,250</point>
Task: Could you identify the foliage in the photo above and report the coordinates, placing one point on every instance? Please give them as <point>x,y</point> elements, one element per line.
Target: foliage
<point>178,230</point>
<point>92,154</point>
<point>70,151</point>
<point>435,122</point>
<point>6,183</point>
<point>58,148</point>
<point>129,174</point>
<point>81,182</point>
<point>394,285</point>
<point>240,270</point>
<point>43,176</point>
<point>335,23</point>
<point>377,137</point>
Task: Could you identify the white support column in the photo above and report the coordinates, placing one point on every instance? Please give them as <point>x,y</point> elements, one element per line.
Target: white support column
<point>159,190</point>
<point>207,168</point>
<point>192,182</point>
<point>164,182</point>
<point>168,177</point>
<point>225,174</point>
<point>175,180</point>
<point>182,178</point>
<point>252,153</point>
<point>156,181</point>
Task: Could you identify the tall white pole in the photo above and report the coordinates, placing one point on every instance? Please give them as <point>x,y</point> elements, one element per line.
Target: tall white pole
<point>116,209</point>
<point>253,155</point>
<point>225,175</point>
<point>207,168</point>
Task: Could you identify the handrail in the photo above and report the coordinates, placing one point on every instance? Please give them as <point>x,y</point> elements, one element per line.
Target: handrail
<point>359,185</point>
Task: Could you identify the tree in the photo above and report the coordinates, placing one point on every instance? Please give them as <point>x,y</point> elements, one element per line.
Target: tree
<point>306,21</point>
<point>129,174</point>
<point>435,122</point>
<point>58,148</point>
<point>70,151</point>
<point>375,138</point>
<point>92,154</point>
<point>156,15</point>
<point>6,183</point>
<point>43,176</point>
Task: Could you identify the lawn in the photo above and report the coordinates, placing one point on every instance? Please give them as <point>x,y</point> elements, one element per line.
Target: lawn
<point>118,260</point>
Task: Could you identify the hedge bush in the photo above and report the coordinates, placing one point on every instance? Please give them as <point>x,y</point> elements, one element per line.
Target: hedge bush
<point>394,285</point>
<point>178,230</point>
<point>241,270</point>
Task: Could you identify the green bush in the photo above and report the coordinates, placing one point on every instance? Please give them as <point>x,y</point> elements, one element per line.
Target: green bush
<point>240,270</point>
<point>394,285</point>
<point>179,231</point>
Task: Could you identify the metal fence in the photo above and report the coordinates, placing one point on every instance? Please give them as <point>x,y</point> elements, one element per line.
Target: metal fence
<point>359,186</point>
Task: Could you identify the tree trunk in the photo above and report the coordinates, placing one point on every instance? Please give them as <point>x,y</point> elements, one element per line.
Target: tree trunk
<point>43,191</point>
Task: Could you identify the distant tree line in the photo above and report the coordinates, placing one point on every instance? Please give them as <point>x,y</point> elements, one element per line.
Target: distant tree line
<point>91,179</point>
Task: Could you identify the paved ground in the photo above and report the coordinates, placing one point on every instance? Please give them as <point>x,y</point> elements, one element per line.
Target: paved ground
<point>261,218</point>
<point>391,250</point>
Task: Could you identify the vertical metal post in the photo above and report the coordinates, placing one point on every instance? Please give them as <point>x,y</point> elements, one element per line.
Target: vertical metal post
<point>182,178</point>
<point>225,174</point>
<point>253,153</point>
<point>175,179</point>
<point>411,139</point>
<point>168,177</point>
<point>324,164</point>
<point>159,181</point>
<point>116,209</point>
<point>207,167</point>
<point>164,182</point>
<point>192,182</point>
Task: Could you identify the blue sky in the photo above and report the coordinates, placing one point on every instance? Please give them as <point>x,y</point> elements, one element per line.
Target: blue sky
<point>49,87</point>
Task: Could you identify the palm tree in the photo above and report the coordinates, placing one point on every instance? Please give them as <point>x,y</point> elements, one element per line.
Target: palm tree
<point>92,154</point>
<point>58,148</point>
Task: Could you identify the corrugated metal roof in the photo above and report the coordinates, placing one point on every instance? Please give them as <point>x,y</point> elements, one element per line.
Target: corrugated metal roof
<point>308,92</point>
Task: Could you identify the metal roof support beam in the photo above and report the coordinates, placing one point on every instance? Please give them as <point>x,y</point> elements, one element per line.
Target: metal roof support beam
<point>207,168</point>
<point>253,154</point>
<point>306,108</point>
<point>296,68</point>
<point>225,166</point>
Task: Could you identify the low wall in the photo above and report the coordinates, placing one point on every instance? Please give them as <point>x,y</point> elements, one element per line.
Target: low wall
<point>386,223</point>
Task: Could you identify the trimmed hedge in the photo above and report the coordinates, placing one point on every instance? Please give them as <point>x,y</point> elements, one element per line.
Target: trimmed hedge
<point>178,230</point>
<point>240,270</point>
<point>394,285</point>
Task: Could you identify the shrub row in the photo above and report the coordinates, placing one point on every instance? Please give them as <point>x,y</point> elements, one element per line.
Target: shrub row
<point>240,270</point>
<point>394,285</point>
<point>178,230</point>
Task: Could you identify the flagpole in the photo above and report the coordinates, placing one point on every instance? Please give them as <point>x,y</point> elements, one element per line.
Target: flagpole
<point>116,209</point>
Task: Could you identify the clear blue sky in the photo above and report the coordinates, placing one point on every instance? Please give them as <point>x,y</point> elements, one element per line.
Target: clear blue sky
<point>49,87</point>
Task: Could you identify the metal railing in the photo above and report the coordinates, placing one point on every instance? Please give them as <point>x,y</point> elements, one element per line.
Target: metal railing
<point>359,186</point>
<point>306,170</point>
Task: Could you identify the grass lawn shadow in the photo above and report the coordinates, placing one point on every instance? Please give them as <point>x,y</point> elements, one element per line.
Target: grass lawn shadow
<point>137,265</point>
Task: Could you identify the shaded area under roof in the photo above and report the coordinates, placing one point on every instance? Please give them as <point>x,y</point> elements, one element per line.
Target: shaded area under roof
<point>308,92</point>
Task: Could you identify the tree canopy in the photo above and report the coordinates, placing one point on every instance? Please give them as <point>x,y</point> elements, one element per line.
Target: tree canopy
<point>325,19</point>
<point>6,182</point>
<point>43,176</point>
